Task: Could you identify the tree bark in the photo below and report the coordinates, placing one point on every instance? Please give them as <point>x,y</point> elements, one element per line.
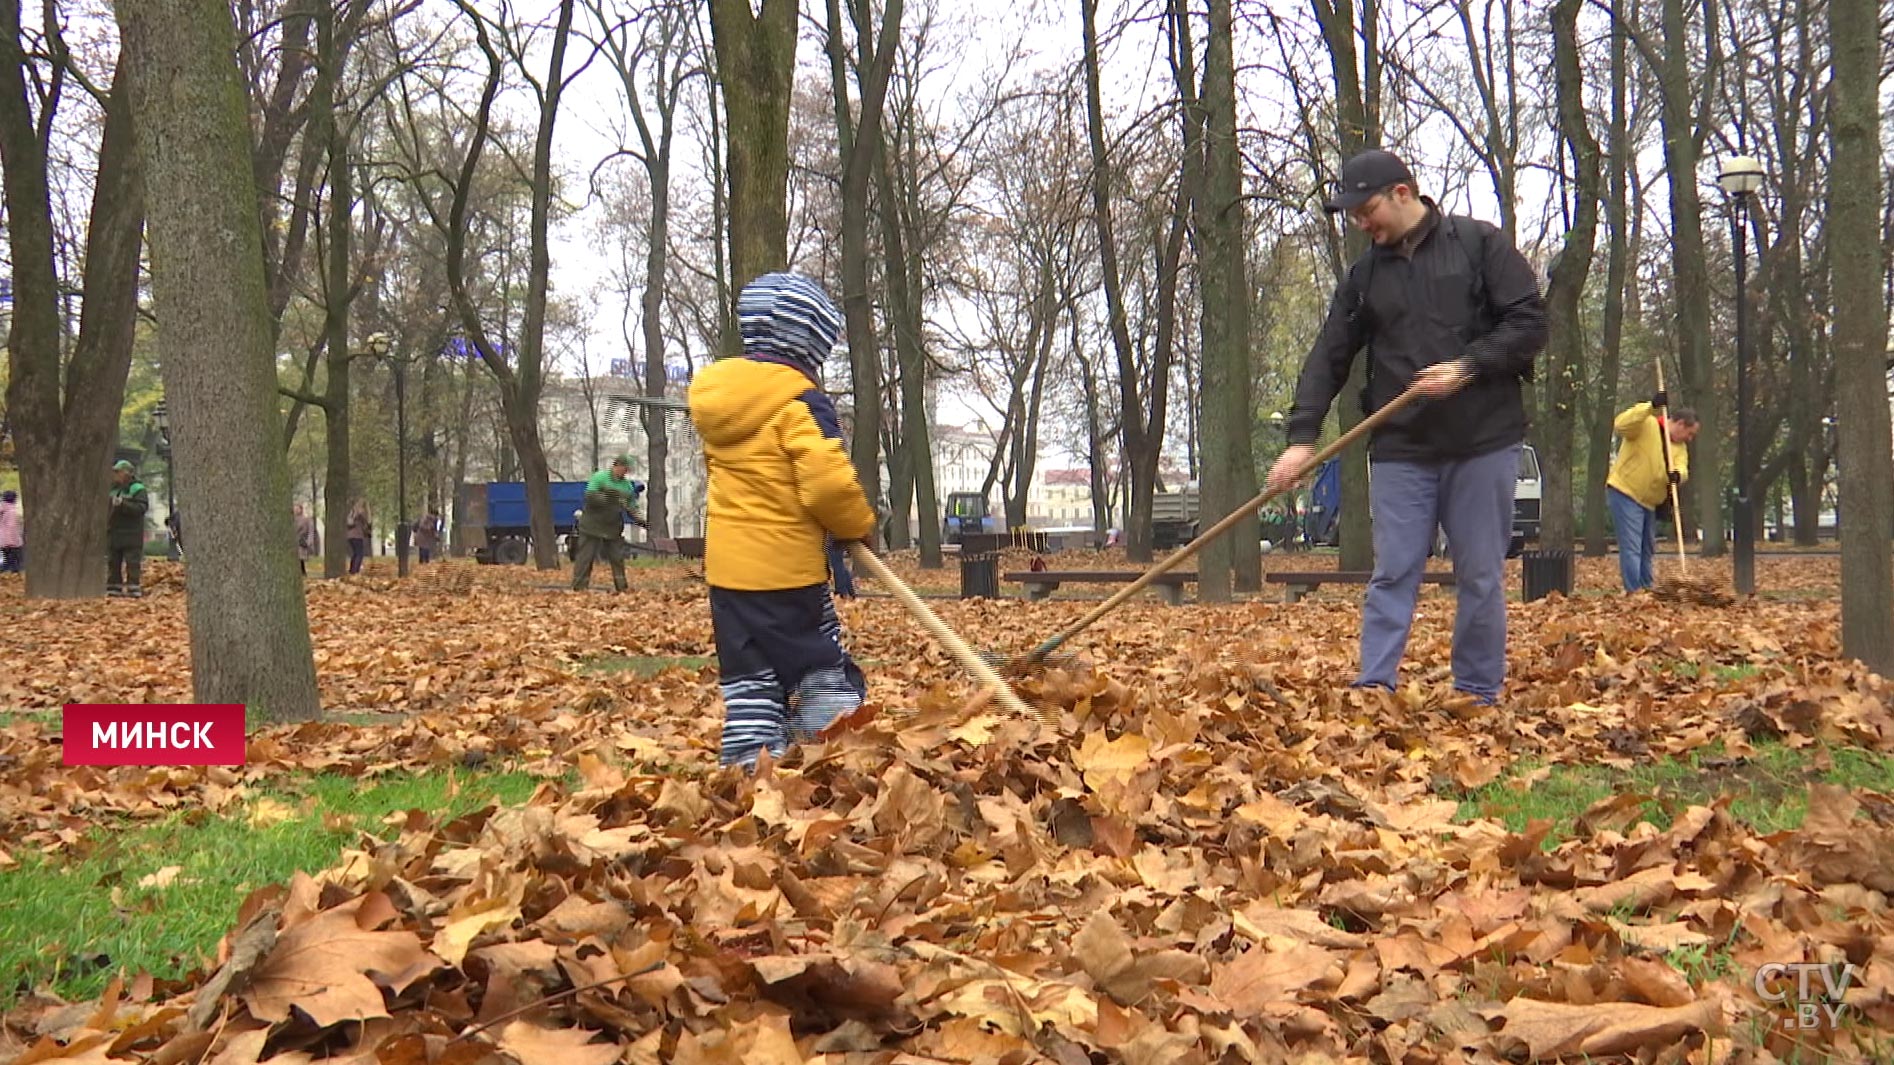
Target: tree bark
<point>65,438</point>
<point>520,380</point>
<point>1566,366</point>
<point>1358,126</point>
<point>756,66</point>
<point>1095,435</point>
<point>1144,439</point>
<point>1229,468</point>
<point>858,143</point>
<point>337,278</point>
<point>248,622</point>
<point>657,379</point>
<point>1598,452</point>
<point>1689,268</point>
<point>1867,470</point>
<point>904,314</point>
<point>522,404</point>
<point>667,48</point>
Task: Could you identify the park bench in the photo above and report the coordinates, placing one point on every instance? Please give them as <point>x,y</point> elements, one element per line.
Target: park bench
<point>1297,585</point>
<point>1042,583</point>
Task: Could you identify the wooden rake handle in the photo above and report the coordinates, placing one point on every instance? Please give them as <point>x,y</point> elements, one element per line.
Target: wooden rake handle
<point>1663,442</point>
<point>946,637</point>
<point>1178,557</point>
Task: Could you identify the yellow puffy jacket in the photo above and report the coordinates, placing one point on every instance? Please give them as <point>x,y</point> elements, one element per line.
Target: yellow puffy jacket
<point>779,480</point>
<point>1639,471</point>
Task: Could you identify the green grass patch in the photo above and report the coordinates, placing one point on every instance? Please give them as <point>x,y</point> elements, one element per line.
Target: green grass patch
<point>644,665</point>
<point>1769,791</point>
<point>74,922</point>
<point>1680,667</point>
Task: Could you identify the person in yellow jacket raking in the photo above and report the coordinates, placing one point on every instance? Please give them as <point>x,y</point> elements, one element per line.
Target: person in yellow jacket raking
<point>780,486</point>
<point>1638,486</point>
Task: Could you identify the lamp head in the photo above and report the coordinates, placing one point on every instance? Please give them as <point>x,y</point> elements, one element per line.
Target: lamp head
<point>1742,175</point>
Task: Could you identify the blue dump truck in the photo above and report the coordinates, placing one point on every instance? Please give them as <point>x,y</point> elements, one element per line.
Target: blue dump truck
<point>494,521</point>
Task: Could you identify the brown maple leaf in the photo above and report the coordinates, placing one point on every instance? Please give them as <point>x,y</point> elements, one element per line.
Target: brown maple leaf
<point>334,965</point>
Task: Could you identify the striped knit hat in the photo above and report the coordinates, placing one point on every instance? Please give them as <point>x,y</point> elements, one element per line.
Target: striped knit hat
<point>788,318</point>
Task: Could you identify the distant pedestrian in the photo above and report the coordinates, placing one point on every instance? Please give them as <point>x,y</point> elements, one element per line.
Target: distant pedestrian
<point>361,528</point>
<point>308,543</point>
<point>125,533</point>
<point>427,536</point>
<point>12,533</point>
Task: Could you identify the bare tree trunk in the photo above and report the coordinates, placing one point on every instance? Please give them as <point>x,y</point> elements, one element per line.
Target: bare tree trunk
<point>520,382</point>
<point>1094,435</point>
<point>65,438</point>
<point>337,280</point>
<point>656,378</point>
<point>904,313</point>
<point>1229,471</point>
<point>667,47</point>
<point>859,144</point>
<point>1358,125</point>
<point>1867,471</point>
<point>1567,347</point>
<point>1144,440</point>
<point>522,406</point>
<point>249,625</point>
<point>1689,269</point>
<point>756,66</point>
<point>1598,452</point>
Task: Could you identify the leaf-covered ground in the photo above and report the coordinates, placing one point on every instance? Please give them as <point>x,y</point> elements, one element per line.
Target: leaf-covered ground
<point>1220,854</point>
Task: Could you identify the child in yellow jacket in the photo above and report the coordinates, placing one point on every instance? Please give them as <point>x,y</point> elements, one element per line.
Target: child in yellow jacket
<point>1641,478</point>
<point>780,486</point>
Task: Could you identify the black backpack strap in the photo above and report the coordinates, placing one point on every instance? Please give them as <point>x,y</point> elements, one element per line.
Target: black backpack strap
<point>1467,233</point>
<point>1360,276</point>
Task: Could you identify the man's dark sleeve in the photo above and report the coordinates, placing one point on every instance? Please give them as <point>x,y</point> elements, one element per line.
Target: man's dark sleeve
<point>136,502</point>
<point>1519,326</point>
<point>1325,371</point>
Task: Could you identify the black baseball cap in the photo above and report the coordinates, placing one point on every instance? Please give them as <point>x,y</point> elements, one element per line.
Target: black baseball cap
<point>1366,174</point>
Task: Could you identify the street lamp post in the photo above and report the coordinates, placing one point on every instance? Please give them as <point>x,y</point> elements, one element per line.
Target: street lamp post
<point>1741,177</point>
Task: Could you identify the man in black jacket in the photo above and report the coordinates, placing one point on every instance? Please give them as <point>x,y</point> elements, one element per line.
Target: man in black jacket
<point>1448,305</point>
<point>125,533</point>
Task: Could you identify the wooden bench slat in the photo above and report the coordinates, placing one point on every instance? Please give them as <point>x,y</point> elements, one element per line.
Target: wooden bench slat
<point>1297,585</point>
<point>1349,576</point>
<point>1087,576</point>
<point>1040,584</point>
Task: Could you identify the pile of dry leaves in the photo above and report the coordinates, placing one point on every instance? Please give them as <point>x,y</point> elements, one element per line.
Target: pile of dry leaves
<point>1220,855</point>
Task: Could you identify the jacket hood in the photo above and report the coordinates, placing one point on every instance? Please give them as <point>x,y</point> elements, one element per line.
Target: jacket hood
<point>733,398</point>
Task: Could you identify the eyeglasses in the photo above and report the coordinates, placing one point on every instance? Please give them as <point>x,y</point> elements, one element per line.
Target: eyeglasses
<point>1360,215</point>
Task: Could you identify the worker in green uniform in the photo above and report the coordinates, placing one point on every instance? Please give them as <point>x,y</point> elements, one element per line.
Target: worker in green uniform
<point>125,532</point>
<point>609,497</point>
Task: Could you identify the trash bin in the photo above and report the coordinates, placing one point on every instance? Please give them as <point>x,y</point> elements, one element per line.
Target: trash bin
<point>1545,572</point>
<point>979,575</point>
